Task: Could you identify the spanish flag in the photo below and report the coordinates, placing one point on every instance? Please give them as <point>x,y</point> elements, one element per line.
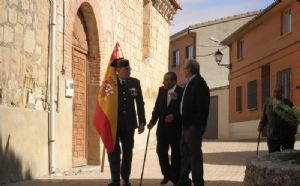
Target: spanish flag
<point>106,114</point>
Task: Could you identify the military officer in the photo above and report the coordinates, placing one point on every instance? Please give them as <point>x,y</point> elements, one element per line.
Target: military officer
<point>129,93</point>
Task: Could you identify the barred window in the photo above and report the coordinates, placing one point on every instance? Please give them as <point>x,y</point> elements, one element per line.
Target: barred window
<point>252,94</point>
<point>176,58</point>
<point>286,22</point>
<point>239,99</point>
<point>265,87</point>
<point>189,52</point>
<point>241,49</point>
<point>284,81</point>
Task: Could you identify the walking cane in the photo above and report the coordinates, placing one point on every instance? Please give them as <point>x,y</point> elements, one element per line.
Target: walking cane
<point>145,158</point>
<point>258,140</point>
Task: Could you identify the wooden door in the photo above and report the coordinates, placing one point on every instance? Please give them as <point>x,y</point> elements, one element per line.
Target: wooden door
<point>79,107</point>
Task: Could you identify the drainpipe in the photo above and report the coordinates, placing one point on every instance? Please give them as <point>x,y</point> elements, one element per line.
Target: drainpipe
<point>52,160</point>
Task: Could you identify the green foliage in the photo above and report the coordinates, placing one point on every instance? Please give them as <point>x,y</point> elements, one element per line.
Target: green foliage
<point>297,113</point>
<point>286,113</point>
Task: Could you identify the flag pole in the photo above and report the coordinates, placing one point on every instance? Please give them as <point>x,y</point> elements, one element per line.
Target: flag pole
<point>103,158</point>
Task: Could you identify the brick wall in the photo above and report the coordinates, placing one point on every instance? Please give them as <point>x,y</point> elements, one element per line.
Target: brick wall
<point>204,48</point>
<point>180,44</point>
<point>264,45</point>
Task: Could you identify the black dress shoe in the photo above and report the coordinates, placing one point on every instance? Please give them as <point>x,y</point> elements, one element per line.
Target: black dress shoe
<point>114,184</point>
<point>164,181</point>
<point>174,181</point>
<point>126,184</point>
<point>180,183</point>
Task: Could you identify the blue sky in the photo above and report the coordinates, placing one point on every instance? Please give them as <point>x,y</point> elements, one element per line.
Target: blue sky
<point>198,11</point>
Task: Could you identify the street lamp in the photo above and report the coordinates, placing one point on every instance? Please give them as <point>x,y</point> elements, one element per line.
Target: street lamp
<point>214,40</point>
<point>219,56</point>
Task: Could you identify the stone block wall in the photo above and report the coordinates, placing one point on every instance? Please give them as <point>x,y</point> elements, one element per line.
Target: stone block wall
<point>24,39</point>
<point>24,66</point>
<point>24,52</point>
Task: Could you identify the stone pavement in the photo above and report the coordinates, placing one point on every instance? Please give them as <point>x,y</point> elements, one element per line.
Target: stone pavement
<point>224,165</point>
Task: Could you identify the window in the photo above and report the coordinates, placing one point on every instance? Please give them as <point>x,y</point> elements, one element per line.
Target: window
<point>189,52</point>
<point>239,99</point>
<point>176,58</point>
<point>252,95</point>
<point>286,22</point>
<point>265,86</point>
<point>241,49</point>
<point>284,81</point>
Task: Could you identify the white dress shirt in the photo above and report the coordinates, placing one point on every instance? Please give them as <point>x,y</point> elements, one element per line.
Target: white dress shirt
<point>171,90</point>
<point>190,79</point>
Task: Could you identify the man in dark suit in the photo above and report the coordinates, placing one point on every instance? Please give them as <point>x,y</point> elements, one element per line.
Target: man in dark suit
<point>166,111</point>
<point>129,93</point>
<point>194,109</point>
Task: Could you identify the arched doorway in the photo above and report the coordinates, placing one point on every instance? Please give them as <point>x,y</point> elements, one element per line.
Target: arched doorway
<point>85,73</point>
<point>79,75</point>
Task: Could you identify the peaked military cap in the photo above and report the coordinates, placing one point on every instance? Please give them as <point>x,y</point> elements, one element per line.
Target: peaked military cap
<point>120,62</point>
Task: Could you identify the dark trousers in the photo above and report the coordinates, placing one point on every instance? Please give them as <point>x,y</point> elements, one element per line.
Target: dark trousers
<point>281,144</point>
<point>191,156</point>
<point>165,140</point>
<point>127,140</point>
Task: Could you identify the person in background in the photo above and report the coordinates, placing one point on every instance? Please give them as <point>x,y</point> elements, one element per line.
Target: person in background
<point>280,134</point>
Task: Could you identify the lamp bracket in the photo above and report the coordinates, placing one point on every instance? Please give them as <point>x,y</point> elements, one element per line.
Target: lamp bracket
<point>225,65</point>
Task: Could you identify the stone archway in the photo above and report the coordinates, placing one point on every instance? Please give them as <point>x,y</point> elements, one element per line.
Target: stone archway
<point>82,60</point>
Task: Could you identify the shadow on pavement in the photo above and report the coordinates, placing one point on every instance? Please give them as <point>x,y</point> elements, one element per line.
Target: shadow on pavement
<point>262,139</point>
<point>230,158</point>
<point>223,183</point>
<point>100,182</point>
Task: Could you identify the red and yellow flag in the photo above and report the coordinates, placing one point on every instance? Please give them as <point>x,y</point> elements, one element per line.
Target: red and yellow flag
<point>106,114</point>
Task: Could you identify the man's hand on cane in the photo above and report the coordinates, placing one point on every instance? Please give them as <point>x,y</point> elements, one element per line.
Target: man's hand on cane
<point>259,129</point>
<point>141,128</point>
<point>150,126</point>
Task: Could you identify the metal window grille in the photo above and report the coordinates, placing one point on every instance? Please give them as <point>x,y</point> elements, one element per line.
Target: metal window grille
<point>239,99</point>
<point>286,21</point>
<point>252,94</point>
<point>284,81</point>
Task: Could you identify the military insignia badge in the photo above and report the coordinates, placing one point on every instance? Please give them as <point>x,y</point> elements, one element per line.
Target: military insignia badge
<point>133,92</point>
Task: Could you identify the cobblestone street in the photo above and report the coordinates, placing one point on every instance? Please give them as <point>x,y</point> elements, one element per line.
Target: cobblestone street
<point>224,166</point>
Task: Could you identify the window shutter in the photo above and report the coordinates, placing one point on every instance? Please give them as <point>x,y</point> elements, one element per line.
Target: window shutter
<point>239,99</point>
